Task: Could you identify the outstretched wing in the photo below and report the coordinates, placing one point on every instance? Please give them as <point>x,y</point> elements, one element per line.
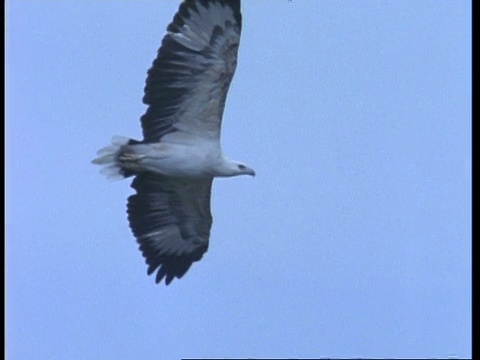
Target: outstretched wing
<point>171,221</point>
<point>187,85</point>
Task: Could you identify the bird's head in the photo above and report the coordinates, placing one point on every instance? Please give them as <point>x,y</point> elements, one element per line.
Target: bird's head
<point>243,169</point>
<point>234,168</point>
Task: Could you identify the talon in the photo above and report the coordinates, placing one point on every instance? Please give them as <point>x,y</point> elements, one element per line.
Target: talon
<point>131,157</point>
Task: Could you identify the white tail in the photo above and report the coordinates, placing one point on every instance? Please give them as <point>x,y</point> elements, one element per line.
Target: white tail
<point>108,158</point>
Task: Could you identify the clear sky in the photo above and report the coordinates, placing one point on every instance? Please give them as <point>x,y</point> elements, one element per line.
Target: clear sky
<point>354,239</point>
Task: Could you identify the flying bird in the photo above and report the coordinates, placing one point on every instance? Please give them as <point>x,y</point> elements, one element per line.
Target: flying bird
<point>180,154</point>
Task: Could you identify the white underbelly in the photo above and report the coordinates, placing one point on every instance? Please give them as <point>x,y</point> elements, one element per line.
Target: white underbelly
<point>175,160</point>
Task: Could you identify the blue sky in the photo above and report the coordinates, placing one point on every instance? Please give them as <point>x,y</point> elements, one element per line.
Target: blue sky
<point>354,239</point>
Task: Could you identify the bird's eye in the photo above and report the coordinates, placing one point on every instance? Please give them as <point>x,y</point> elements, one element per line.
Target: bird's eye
<point>242,167</point>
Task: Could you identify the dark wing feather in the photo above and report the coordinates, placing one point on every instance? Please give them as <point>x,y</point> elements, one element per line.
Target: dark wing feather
<point>187,85</point>
<point>171,221</point>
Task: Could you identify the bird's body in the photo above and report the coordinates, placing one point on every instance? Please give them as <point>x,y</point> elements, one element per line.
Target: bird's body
<point>174,165</point>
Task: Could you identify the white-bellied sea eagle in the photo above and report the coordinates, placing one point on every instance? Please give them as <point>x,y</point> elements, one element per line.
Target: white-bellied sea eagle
<point>180,154</point>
